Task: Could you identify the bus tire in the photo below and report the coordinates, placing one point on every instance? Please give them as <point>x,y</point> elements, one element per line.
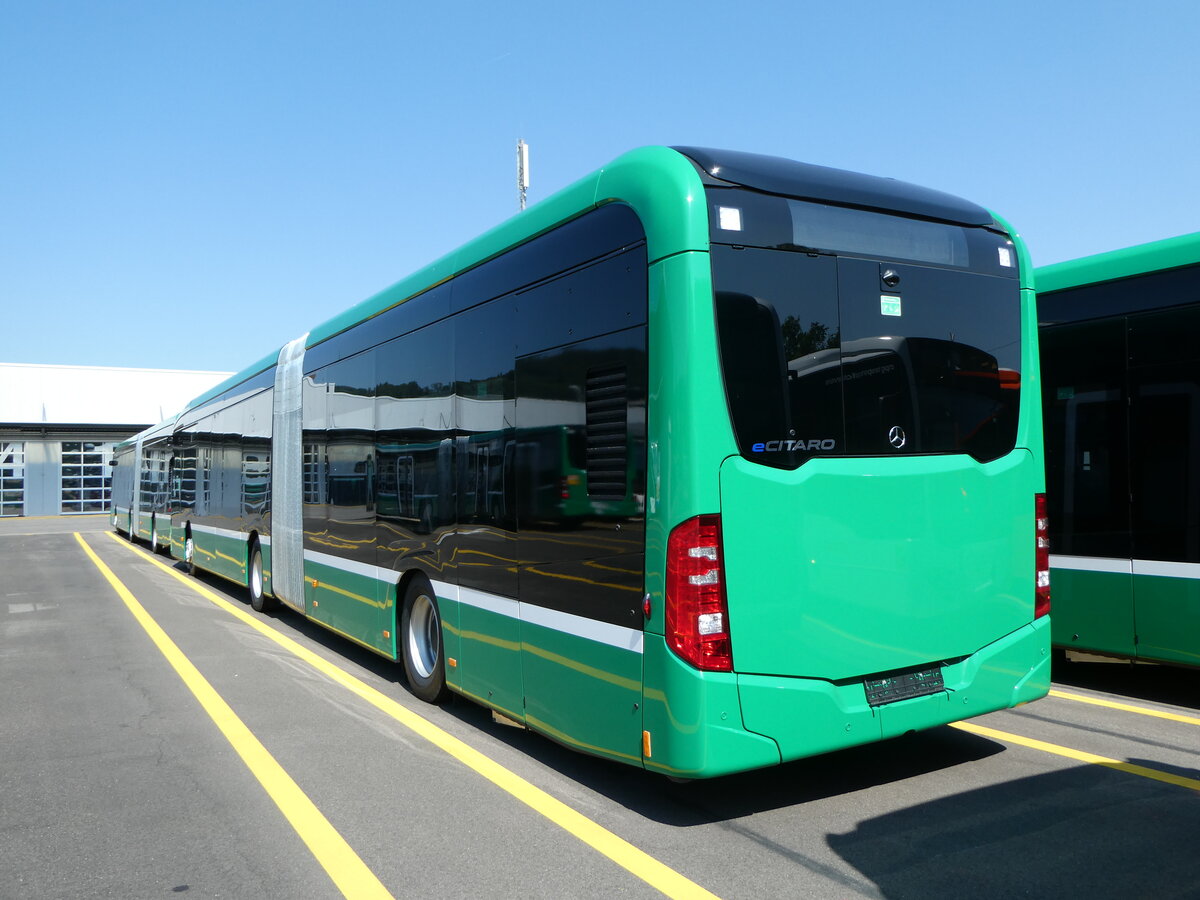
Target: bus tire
<point>254,578</point>
<point>421,642</point>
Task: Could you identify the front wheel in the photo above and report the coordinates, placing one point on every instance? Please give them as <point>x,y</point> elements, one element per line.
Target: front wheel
<point>421,638</point>
<point>258,598</point>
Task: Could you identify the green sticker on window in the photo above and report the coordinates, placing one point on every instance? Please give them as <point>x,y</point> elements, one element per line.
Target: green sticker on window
<point>889,305</point>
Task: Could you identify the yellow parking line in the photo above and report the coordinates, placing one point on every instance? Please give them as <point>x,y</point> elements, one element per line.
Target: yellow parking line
<point>1080,755</point>
<point>339,860</point>
<point>657,874</point>
<point>1125,707</point>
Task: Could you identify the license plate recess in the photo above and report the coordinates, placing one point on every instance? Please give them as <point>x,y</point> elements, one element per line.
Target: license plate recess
<point>890,688</point>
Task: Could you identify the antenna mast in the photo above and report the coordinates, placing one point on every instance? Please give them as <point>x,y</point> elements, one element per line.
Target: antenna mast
<point>522,171</point>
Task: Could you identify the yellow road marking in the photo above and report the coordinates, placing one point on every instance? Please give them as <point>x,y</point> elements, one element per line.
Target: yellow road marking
<point>1080,755</point>
<point>1125,707</point>
<point>657,874</point>
<point>339,860</point>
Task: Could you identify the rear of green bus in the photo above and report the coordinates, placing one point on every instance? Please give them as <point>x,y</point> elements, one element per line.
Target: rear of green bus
<point>865,555</point>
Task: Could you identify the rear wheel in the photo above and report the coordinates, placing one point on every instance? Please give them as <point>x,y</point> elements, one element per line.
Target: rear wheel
<point>421,639</point>
<point>258,598</point>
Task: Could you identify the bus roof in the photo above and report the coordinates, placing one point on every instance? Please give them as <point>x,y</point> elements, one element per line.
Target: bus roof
<point>1170,253</point>
<point>805,181</point>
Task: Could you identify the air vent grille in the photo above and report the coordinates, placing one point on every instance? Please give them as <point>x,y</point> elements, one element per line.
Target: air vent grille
<point>607,433</point>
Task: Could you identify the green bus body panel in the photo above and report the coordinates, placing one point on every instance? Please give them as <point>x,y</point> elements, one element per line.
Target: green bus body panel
<point>220,554</point>
<point>873,565</point>
<point>356,606</point>
<point>451,613</point>
<point>808,716</point>
<point>1168,612</point>
<point>1168,618</point>
<point>489,659</point>
<point>1170,253</point>
<point>1092,610</point>
<point>1145,617</point>
<point>178,539</point>
<point>694,719</point>
<point>567,669</point>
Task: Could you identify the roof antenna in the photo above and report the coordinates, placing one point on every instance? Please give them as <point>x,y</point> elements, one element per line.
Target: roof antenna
<point>522,171</point>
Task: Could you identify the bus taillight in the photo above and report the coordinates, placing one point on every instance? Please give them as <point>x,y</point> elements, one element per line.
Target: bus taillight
<point>1041,603</point>
<point>697,617</point>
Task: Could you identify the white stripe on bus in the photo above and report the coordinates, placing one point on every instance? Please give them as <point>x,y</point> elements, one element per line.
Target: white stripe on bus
<point>1166,569</point>
<point>556,620</point>
<point>1091,564</point>
<point>578,626</point>
<point>1159,568</point>
<point>221,532</point>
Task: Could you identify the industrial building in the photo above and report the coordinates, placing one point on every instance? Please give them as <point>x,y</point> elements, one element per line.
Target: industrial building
<point>58,425</point>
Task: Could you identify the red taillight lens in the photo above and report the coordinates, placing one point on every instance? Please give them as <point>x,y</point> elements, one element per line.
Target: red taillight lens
<point>697,618</point>
<point>1041,603</point>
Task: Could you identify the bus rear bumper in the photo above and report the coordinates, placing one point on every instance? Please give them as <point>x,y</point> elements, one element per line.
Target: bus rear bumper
<point>807,716</point>
<point>702,725</point>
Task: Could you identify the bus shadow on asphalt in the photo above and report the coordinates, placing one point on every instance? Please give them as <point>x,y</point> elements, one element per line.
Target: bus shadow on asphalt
<point>1084,831</point>
<point>716,800</point>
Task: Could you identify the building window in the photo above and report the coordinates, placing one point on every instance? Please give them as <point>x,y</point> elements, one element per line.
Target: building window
<point>314,473</point>
<point>86,480</point>
<point>12,479</point>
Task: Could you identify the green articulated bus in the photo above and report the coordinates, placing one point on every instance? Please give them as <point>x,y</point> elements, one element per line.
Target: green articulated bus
<point>708,462</point>
<point>1120,344</point>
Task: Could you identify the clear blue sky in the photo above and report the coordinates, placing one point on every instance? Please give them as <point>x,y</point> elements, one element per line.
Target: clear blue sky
<point>192,184</point>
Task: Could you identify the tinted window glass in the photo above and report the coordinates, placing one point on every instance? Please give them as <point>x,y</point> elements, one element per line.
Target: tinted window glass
<point>1087,463</point>
<point>862,232</point>
<point>937,354</point>
<point>408,316</point>
<point>339,439</point>
<point>1164,442</point>
<point>774,308</point>
<point>608,228</point>
<point>744,218</point>
<point>606,296</point>
<point>828,356</point>
<point>1097,301</point>
<point>484,361</point>
<point>414,446</point>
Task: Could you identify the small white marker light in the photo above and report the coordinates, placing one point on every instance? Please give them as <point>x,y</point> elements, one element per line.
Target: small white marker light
<point>729,218</point>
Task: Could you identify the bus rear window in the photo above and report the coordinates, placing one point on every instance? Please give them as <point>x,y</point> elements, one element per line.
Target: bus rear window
<point>838,356</point>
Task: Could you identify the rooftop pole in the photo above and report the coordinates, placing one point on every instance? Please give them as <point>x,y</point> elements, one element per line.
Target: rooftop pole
<point>522,171</point>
